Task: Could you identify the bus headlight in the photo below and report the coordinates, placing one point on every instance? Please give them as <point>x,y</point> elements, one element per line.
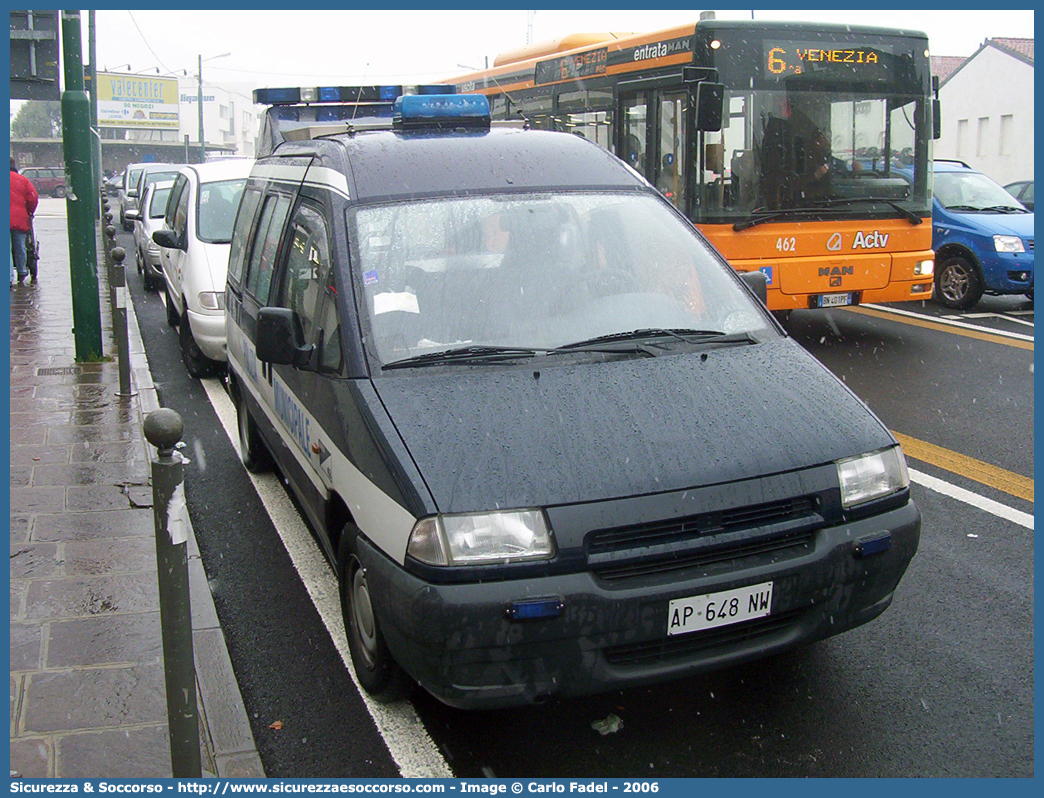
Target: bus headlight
<point>924,268</point>
<point>872,476</point>
<point>478,538</point>
<point>1008,244</point>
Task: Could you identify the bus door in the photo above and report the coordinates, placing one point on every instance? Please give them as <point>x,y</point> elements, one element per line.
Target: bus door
<point>653,139</point>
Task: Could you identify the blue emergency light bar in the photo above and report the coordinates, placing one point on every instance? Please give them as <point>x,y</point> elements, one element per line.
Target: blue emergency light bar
<point>343,94</point>
<point>441,110</point>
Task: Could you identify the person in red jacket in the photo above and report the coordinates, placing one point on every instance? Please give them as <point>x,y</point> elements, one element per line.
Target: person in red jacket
<point>23,205</point>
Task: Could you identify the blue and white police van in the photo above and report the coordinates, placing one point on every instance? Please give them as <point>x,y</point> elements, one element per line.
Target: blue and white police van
<point>550,442</point>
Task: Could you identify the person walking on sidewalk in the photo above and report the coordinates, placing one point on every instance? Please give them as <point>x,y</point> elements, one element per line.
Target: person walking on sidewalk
<point>23,205</point>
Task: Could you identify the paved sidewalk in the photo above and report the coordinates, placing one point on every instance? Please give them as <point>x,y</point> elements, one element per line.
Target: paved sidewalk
<point>87,688</point>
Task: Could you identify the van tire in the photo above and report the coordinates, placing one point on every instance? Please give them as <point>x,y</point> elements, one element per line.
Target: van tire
<point>196,363</point>
<point>252,451</point>
<point>172,312</point>
<point>958,284</point>
<point>375,669</point>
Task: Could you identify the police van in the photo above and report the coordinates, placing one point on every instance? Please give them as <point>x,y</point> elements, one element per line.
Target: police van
<point>551,443</point>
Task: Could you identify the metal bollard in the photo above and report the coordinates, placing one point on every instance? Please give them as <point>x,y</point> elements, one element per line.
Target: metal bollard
<point>119,319</point>
<point>110,242</point>
<point>163,429</point>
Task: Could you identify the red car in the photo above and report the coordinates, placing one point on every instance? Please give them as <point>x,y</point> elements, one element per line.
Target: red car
<point>47,179</point>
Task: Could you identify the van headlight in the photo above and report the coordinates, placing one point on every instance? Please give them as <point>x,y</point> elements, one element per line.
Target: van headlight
<point>478,538</point>
<point>872,476</point>
<point>212,300</point>
<point>1008,244</point>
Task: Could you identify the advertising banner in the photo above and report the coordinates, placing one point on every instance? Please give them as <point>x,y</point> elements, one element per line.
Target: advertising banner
<point>137,101</point>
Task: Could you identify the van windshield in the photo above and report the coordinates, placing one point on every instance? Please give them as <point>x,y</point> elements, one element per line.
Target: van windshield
<point>537,271</point>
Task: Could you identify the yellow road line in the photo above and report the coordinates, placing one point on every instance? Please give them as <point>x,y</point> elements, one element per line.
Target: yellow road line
<point>983,473</point>
<point>932,325</point>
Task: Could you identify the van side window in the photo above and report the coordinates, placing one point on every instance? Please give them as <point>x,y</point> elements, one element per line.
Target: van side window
<point>307,285</point>
<point>180,185</point>
<point>307,261</point>
<point>247,211</point>
<point>266,244</point>
<point>181,212</point>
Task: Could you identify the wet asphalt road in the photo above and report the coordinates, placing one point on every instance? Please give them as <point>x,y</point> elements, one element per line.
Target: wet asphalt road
<point>940,685</point>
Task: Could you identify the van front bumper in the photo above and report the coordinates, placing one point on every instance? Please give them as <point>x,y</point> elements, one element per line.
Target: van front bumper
<point>209,331</point>
<point>457,641</point>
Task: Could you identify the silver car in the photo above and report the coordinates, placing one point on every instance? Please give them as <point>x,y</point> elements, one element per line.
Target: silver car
<point>147,219</point>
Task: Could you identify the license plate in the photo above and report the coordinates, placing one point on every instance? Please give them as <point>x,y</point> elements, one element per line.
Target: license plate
<point>833,300</point>
<point>719,609</point>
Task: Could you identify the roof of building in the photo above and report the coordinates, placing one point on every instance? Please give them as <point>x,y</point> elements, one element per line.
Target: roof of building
<point>946,66</point>
<point>1022,47</point>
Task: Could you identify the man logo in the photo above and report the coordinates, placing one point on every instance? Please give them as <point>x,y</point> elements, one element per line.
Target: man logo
<point>834,244</point>
<point>835,282</point>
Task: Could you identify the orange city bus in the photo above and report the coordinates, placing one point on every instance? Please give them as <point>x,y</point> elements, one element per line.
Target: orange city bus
<point>800,150</point>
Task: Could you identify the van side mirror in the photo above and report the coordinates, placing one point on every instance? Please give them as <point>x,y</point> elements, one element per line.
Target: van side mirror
<point>132,216</point>
<point>167,239</point>
<point>758,283</point>
<point>936,120</point>
<point>280,339</point>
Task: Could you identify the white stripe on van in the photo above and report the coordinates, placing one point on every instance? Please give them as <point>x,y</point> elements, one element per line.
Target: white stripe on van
<point>404,734</point>
<point>317,176</point>
<point>383,520</point>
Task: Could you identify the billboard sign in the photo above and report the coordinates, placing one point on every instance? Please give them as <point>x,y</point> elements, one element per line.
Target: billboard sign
<point>137,101</point>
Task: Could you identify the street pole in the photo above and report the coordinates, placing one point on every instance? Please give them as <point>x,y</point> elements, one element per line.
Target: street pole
<point>80,198</point>
<point>92,48</point>
<point>199,98</point>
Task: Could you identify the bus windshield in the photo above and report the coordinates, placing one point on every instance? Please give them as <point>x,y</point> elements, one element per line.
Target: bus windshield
<point>798,134</point>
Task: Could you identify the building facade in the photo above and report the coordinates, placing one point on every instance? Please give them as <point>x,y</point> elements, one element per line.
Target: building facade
<point>987,109</point>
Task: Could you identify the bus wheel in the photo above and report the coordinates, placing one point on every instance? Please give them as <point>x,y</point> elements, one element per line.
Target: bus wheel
<point>957,282</point>
<point>378,673</point>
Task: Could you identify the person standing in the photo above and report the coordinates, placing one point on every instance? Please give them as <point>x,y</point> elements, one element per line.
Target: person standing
<point>23,205</point>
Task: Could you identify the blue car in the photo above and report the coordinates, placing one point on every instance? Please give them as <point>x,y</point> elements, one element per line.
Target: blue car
<point>982,237</point>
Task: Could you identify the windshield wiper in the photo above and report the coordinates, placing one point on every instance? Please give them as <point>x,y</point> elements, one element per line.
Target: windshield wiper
<point>648,334</point>
<point>465,354</point>
<point>912,217</point>
<point>1005,209</point>
<point>759,217</point>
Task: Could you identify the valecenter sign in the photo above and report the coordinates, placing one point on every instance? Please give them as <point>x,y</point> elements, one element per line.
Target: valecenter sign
<point>137,101</point>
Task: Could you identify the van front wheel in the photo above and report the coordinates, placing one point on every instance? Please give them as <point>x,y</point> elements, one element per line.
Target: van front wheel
<point>378,673</point>
<point>252,449</point>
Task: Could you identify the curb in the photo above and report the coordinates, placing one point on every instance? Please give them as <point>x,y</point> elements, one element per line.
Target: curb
<point>229,750</point>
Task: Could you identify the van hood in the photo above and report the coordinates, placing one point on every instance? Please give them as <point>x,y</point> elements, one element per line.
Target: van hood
<point>489,437</point>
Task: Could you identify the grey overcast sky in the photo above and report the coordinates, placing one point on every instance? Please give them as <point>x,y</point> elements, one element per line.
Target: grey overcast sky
<point>279,48</point>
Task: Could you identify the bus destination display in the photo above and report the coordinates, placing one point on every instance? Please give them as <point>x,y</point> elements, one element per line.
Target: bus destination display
<point>582,65</point>
<point>822,58</point>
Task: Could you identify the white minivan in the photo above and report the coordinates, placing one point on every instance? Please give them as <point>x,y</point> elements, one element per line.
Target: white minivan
<point>194,246</point>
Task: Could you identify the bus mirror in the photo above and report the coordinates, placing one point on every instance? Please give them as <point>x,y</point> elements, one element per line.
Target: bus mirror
<point>710,102</point>
<point>936,120</point>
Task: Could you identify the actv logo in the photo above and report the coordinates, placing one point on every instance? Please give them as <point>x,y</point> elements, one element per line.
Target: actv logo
<point>874,240</point>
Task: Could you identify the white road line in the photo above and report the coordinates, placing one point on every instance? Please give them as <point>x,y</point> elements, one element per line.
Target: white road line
<point>942,320</point>
<point>402,730</point>
<point>974,499</point>
<point>1002,316</point>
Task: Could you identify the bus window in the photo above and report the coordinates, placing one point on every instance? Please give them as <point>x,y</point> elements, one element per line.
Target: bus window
<point>634,143</point>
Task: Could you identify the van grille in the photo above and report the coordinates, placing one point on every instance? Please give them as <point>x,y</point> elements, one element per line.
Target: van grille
<point>685,645</point>
<point>698,540</point>
<point>1029,243</point>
